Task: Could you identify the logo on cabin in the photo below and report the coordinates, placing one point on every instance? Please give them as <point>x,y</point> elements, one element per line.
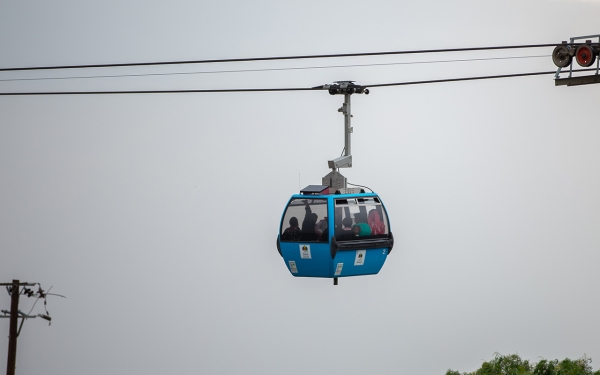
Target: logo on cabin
<point>359,259</point>
<point>305,252</point>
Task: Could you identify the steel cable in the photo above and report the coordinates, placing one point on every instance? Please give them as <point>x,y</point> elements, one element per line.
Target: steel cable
<point>281,89</point>
<point>270,69</point>
<point>297,57</point>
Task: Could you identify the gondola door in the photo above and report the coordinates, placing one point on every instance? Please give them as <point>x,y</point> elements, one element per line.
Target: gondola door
<point>304,237</point>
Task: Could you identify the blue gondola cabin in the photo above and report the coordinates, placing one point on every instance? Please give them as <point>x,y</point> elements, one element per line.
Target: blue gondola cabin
<point>334,233</point>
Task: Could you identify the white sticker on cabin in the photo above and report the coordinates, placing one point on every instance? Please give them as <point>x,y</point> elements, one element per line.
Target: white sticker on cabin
<point>305,251</point>
<point>338,269</point>
<point>359,259</point>
<point>293,266</point>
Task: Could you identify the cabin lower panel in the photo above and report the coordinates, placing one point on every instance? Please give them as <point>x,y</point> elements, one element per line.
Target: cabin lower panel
<point>311,259</point>
<point>314,260</point>
<point>359,262</point>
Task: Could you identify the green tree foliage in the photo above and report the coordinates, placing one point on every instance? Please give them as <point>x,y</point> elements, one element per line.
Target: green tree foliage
<point>512,364</point>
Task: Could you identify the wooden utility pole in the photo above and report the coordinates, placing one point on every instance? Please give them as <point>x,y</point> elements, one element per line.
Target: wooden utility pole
<point>14,314</point>
<point>11,363</point>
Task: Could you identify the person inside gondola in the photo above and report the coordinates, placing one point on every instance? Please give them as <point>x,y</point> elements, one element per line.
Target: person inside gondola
<point>324,237</point>
<point>347,225</point>
<point>361,223</point>
<point>321,225</point>
<point>292,233</point>
<point>308,224</point>
<point>374,221</point>
<point>322,230</point>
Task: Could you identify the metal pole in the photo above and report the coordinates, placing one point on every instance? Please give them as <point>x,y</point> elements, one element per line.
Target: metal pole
<point>347,127</point>
<point>598,60</point>
<point>571,65</point>
<point>11,363</point>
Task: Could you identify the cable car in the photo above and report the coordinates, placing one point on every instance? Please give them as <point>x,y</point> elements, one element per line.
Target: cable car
<point>343,234</point>
<point>330,230</point>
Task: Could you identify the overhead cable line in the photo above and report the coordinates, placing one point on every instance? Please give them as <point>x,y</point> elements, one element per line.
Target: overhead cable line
<point>156,91</point>
<point>269,69</point>
<point>297,57</point>
<point>280,89</point>
<point>462,79</point>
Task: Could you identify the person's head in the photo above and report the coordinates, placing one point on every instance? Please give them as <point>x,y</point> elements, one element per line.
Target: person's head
<point>293,222</point>
<point>374,215</point>
<point>347,222</point>
<point>356,230</point>
<point>314,217</point>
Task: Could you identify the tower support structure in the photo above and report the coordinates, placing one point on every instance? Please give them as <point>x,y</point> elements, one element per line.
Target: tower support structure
<point>334,179</point>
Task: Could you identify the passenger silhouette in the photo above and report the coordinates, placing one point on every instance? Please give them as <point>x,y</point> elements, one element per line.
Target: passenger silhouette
<point>308,224</point>
<point>292,233</point>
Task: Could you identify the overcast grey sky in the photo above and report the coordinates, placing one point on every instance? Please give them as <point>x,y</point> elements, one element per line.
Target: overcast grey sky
<point>157,214</point>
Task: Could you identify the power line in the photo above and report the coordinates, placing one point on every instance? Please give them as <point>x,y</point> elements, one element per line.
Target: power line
<point>463,79</point>
<point>316,88</point>
<point>155,91</point>
<point>514,75</point>
<point>269,69</point>
<point>297,57</point>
